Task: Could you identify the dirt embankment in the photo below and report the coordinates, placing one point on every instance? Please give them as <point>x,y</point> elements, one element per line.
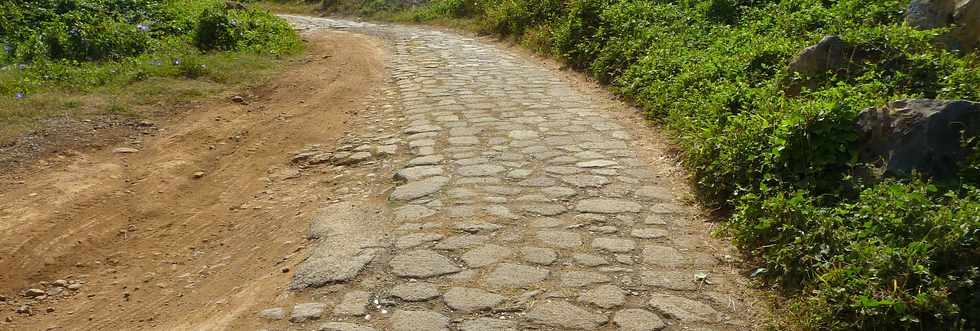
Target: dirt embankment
<point>193,230</point>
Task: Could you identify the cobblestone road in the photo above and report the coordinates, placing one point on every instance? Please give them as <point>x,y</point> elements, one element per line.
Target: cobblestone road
<point>517,204</point>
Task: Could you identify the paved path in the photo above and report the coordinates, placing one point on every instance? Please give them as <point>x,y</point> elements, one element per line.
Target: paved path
<point>517,205</point>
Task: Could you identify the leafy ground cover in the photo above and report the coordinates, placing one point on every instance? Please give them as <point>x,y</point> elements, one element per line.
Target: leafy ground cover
<point>848,252</point>
<point>84,57</point>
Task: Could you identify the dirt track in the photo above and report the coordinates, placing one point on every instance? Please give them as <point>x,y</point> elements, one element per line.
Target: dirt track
<point>154,247</point>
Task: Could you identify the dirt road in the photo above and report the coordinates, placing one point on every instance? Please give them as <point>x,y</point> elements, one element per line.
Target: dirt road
<point>194,229</point>
<point>456,185</point>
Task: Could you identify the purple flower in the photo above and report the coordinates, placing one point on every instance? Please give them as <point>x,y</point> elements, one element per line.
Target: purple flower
<point>19,95</point>
<point>8,48</point>
<point>143,27</point>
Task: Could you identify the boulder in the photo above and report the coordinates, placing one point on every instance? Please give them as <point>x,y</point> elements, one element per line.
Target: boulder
<point>962,16</point>
<point>923,136</point>
<point>233,5</point>
<point>831,54</point>
<point>967,18</point>
<point>930,14</point>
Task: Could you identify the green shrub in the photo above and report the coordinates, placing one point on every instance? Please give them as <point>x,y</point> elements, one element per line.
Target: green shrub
<point>901,256</point>
<point>89,43</point>
<point>251,30</point>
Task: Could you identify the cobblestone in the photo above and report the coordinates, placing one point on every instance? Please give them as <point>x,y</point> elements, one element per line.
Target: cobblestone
<point>504,179</point>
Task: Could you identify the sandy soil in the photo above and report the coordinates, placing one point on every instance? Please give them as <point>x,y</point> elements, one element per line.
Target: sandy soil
<point>200,226</point>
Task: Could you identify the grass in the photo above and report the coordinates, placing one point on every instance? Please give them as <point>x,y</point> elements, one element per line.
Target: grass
<point>288,7</point>
<point>126,97</point>
<point>129,58</point>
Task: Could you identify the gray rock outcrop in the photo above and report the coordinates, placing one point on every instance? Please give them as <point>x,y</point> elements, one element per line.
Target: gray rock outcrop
<point>922,136</point>
<point>962,16</point>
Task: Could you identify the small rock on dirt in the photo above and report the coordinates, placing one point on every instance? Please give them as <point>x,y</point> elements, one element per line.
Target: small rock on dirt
<point>33,293</point>
<point>274,314</point>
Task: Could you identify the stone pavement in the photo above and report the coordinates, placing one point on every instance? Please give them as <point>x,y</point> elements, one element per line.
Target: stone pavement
<point>517,204</point>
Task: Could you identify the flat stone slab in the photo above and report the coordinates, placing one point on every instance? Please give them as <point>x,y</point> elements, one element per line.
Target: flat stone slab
<point>416,239</point>
<point>582,278</point>
<point>559,192</point>
<point>488,324</point>
<point>585,180</point>
<point>671,280</point>
<point>604,296</point>
<point>468,300</point>
<point>638,320</point>
<point>274,314</point>
<point>596,164</point>
<point>486,255</point>
<point>480,170</point>
<point>461,242</point>
<point>544,209</point>
<point>648,233</point>
<point>654,193</point>
<point>664,256</point>
<point>561,239</point>
<point>340,326</point>
<point>683,309</point>
<point>537,255</point>
<point>415,291</point>
<point>426,160</point>
<point>422,264</point>
<point>607,206</point>
<point>477,227</point>
<point>412,213</point>
<point>415,320</point>
<point>589,260</point>
<point>562,170</point>
<point>421,129</point>
<point>307,312</point>
<point>614,245</point>
<point>354,303</point>
<point>323,268</point>
<point>416,173</point>
<point>418,189</point>
<point>564,315</point>
<point>509,275</point>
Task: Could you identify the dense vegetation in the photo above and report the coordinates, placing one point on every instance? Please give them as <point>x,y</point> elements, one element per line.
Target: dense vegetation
<point>849,251</point>
<point>86,43</point>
